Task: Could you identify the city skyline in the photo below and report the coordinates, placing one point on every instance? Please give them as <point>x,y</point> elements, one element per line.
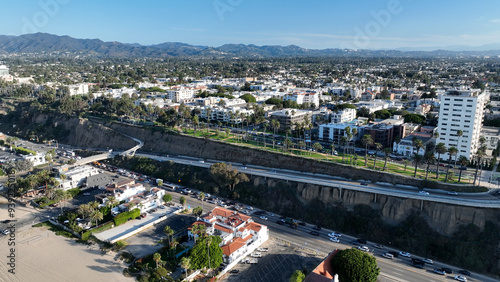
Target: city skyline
<point>391,24</point>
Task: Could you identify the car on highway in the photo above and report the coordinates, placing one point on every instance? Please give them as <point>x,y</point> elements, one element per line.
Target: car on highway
<point>361,240</point>
<point>280,222</point>
<point>464,272</point>
<point>405,254</point>
<point>378,246</point>
<point>315,233</point>
<point>439,271</point>
<point>428,261</point>
<point>447,270</point>
<point>363,183</point>
<point>6,232</point>
<point>317,228</point>
<point>460,278</point>
<point>388,255</point>
<point>423,192</point>
<point>335,239</point>
<point>364,248</point>
<point>302,223</point>
<point>334,234</point>
<point>263,217</point>
<point>453,193</point>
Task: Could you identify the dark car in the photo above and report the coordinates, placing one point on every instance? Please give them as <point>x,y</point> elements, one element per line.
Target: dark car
<point>280,222</point>
<point>302,223</point>
<point>361,241</point>
<point>317,228</point>
<point>234,271</point>
<point>355,242</point>
<point>418,265</point>
<point>416,260</point>
<point>394,253</point>
<point>447,270</point>
<point>315,233</point>
<point>464,272</point>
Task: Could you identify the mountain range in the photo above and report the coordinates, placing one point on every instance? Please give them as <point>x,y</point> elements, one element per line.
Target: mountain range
<point>43,43</point>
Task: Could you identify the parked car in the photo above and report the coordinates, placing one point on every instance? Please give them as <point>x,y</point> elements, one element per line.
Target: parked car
<point>234,271</point>
<point>263,249</point>
<point>86,194</point>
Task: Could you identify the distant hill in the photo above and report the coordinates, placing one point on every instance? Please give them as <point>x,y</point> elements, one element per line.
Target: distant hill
<point>48,43</point>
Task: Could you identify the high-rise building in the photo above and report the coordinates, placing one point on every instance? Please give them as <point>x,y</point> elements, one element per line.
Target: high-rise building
<point>461,109</point>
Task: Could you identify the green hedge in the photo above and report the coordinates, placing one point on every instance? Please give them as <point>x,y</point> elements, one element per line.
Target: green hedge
<point>86,235</point>
<point>125,216</point>
<point>24,151</point>
<point>74,191</point>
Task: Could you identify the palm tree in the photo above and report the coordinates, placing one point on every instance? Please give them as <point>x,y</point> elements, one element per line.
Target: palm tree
<point>354,133</point>
<point>333,148</point>
<point>481,152</point>
<point>317,147</point>
<point>406,162</point>
<point>367,141</point>
<point>440,149</point>
<point>387,152</point>
<point>156,258</point>
<point>417,159</point>
<point>96,216</point>
<point>462,160</point>
<point>186,264</point>
<point>418,144</point>
<point>452,151</point>
<point>287,143</point>
<point>196,121</point>
<point>202,197</point>
<point>182,201</point>
<point>428,159</point>
<point>209,242</point>
<point>343,142</point>
<point>302,144</point>
<point>169,232</point>
<point>378,146</point>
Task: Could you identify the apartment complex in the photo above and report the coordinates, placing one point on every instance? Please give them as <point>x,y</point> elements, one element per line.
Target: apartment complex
<point>345,115</point>
<point>288,118</point>
<point>462,109</point>
<point>239,233</point>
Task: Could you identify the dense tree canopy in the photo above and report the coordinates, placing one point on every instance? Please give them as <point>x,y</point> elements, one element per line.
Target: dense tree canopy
<point>355,265</point>
<point>200,253</point>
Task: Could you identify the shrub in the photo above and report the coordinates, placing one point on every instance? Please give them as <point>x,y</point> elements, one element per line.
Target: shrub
<point>125,216</point>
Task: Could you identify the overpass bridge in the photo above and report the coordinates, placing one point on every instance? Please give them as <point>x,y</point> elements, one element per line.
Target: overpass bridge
<point>109,155</point>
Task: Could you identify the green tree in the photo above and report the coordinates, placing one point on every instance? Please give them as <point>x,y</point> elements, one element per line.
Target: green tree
<point>156,258</point>
<point>418,144</point>
<point>169,232</point>
<point>297,276</point>
<point>186,264</point>
<point>199,254</point>
<point>452,151</point>
<point>248,98</point>
<point>355,265</point>
<point>167,198</point>
<point>378,146</point>
<point>182,201</point>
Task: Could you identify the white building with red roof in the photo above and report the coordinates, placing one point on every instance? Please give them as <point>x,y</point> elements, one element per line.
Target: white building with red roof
<point>239,233</point>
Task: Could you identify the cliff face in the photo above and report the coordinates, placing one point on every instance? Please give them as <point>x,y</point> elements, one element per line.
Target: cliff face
<point>443,218</point>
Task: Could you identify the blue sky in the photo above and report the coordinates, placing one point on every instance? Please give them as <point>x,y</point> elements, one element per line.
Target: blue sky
<point>368,24</point>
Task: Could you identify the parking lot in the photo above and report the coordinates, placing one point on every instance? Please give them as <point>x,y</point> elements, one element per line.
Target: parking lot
<point>277,264</point>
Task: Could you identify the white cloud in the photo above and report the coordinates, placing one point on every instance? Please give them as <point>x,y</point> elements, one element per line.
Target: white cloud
<point>494,21</point>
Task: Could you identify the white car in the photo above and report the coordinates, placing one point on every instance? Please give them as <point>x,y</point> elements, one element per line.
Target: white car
<point>335,239</point>
<point>363,248</point>
<point>405,254</point>
<point>334,234</point>
<point>428,261</point>
<point>453,193</point>
<point>423,192</point>
<point>388,256</point>
<point>263,217</point>
<point>6,232</point>
<point>86,194</point>
<point>460,278</point>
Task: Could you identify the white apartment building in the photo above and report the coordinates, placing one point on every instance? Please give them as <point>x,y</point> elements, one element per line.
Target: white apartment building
<point>4,70</point>
<point>462,109</point>
<point>333,132</point>
<point>303,97</point>
<point>76,177</point>
<point>239,233</point>
<point>78,89</point>
<point>345,115</point>
<point>180,94</point>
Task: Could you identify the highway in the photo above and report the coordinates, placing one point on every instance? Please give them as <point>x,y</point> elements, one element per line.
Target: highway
<point>482,200</point>
<point>398,269</point>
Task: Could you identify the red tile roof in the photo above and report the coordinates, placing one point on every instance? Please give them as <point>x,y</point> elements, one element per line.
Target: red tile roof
<point>324,271</point>
<point>254,226</point>
<point>222,228</point>
<point>222,212</point>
